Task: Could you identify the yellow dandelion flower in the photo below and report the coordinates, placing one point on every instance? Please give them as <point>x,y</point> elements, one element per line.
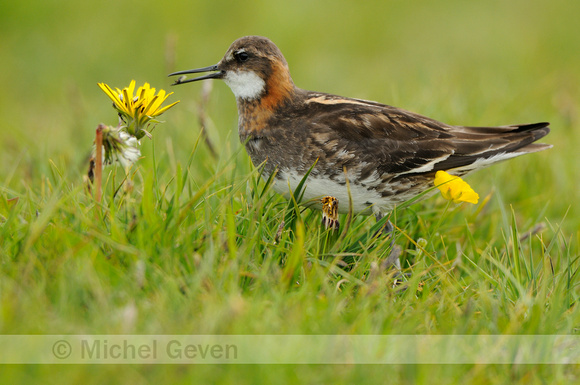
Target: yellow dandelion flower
<point>330,212</point>
<point>138,110</point>
<point>454,188</point>
<point>119,97</point>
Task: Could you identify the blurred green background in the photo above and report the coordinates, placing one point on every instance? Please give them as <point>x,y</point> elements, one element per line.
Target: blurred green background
<point>463,62</point>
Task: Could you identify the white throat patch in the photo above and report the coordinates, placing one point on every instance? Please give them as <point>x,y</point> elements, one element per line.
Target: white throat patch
<point>245,84</point>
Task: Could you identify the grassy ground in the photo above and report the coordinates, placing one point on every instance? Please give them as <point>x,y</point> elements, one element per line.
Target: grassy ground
<point>188,246</point>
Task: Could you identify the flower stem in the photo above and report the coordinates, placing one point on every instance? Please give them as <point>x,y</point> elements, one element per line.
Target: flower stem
<point>99,162</point>
<point>439,222</point>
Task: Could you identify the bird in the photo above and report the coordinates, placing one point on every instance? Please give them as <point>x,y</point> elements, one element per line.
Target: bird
<point>378,155</point>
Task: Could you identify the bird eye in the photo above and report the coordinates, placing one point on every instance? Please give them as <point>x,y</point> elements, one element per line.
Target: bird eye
<point>241,56</point>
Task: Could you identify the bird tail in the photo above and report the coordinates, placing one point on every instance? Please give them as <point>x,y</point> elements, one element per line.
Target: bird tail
<point>478,147</point>
<point>531,133</point>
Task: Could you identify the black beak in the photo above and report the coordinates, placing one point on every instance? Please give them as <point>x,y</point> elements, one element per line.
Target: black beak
<point>216,75</point>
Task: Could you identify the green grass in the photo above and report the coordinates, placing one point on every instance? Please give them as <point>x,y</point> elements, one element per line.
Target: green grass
<point>187,245</point>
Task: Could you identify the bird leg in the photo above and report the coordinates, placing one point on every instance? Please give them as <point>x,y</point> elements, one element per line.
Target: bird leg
<point>387,230</point>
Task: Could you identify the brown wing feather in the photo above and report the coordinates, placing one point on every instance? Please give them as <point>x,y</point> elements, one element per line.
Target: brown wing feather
<point>402,142</point>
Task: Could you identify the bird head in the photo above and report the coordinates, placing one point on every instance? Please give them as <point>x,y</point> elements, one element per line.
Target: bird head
<point>254,69</point>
